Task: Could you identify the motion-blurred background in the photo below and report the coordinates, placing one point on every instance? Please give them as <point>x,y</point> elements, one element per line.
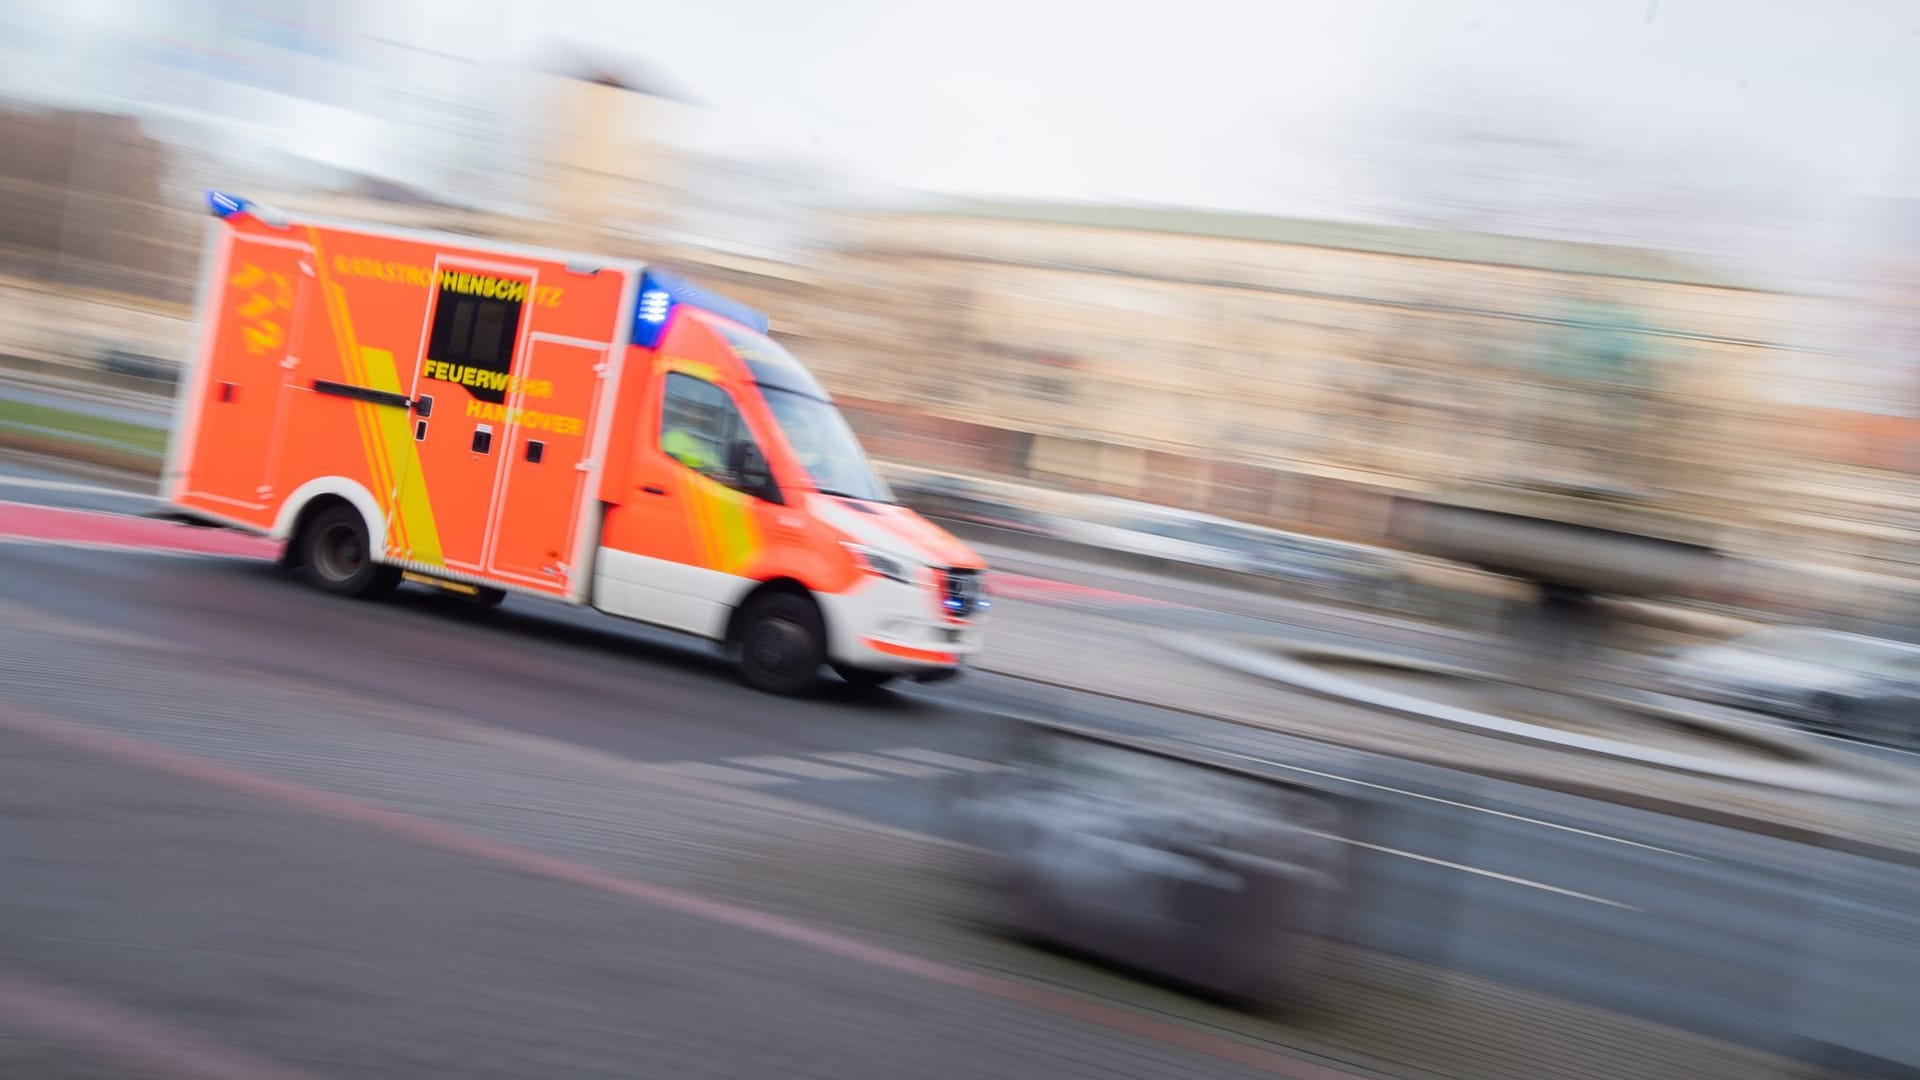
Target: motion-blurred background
<point>1320,381</point>
<point>1274,263</point>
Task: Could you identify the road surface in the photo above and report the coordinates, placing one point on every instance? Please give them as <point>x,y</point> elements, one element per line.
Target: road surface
<point>1694,926</point>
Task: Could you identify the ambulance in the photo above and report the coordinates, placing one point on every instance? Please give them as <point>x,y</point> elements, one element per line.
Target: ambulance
<point>491,419</point>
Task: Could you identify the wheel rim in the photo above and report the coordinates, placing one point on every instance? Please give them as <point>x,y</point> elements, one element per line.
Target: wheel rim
<point>777,646</point>
<point>339,552</point>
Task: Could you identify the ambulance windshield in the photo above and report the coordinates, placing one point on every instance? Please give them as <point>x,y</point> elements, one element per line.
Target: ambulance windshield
<point>825,445</point>
<point>819,435</point>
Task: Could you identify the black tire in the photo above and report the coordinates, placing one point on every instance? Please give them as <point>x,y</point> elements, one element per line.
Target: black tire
<point>336,556</point>
<point>782,643</point>
<point>487,599</point>
<point>864,677</point>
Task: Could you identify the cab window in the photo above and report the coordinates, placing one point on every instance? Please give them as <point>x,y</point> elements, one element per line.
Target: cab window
<point>701,428</point>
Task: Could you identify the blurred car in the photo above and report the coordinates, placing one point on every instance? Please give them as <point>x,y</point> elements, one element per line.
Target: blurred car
<point>1824,680</point>
<point>1327,562</point>
<point>954,499</point>
<point>1221,543</point>
<point>1195,871</point>
<point>1194,539</point>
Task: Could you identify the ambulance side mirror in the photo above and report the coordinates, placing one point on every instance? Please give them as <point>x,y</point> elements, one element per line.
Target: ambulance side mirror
<point>748,466</point>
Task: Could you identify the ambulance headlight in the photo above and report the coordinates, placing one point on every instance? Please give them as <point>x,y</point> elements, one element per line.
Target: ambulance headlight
<point>881,564</point>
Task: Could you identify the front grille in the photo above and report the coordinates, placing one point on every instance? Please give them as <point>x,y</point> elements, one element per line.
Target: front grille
<point>961,593</point>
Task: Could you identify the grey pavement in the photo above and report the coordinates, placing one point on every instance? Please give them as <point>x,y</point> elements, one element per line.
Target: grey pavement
<point>339,951</point>
<point>1118,653</point>
<point>559,735</point>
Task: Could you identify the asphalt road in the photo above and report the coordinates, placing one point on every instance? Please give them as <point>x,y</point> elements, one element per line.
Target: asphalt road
<point>1695,926</point>
<point>322,948</point>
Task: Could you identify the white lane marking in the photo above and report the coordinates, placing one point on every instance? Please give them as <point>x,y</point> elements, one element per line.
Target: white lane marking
<point>801,767</point>
<point>813,770</point>
<point>879,764</point>
<point>1466,806</point>
<point>951,761</point>
<point>720,774</point>
<point>1508,878</point>
<point>71,486</point>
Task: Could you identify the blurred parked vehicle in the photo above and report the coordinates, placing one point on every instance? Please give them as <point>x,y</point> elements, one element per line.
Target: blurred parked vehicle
<point>1319,565</point>
<point>1166,534</point>
<point>953,499</point>
<point>1311,558</point>
<point>1824,680</point>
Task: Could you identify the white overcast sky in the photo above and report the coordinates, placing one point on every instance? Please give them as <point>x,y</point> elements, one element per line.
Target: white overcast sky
<point>1763,107</point>
<point>1250,103</point>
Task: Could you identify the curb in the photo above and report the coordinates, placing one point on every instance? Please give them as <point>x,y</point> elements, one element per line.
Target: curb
<point>1863,785</point>
<point>1766,737</point>
<point>1733,820</point>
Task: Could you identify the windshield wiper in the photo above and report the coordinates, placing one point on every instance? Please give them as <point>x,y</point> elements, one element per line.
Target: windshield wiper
<point>830,493</point>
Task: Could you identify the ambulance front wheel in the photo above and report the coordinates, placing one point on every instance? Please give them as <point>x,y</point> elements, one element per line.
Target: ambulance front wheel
<point>781,643</point>
<point>336,555</point>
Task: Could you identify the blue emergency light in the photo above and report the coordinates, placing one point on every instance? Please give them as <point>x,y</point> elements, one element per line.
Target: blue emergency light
<point>225,205</point>
<point>661,292</point>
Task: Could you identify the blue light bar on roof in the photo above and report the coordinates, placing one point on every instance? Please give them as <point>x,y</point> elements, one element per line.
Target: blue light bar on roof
<point>225,205</point>
<point>661,292</point>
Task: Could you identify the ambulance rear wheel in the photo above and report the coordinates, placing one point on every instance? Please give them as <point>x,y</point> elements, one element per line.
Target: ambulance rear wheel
<point>782,644</point>
<point>337,556</point>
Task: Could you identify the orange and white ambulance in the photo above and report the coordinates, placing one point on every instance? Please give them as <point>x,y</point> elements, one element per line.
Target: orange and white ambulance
<point>494,419</point>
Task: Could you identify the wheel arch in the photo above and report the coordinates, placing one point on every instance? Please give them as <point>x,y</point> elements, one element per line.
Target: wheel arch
<point>736,618</point>
<point>316,496</point>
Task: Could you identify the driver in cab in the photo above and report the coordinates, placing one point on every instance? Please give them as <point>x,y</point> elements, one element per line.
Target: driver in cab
<point>688,438</point>
<point>688,449</point>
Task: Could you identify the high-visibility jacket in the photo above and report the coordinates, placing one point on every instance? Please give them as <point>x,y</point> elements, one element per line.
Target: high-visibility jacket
<point>686,449</point>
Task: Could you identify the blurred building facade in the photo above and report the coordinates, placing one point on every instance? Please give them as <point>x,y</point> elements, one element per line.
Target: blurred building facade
<point>1286,372</point>
<point>606,168</point>
<point>1291,372</point>
<point>83,191</point>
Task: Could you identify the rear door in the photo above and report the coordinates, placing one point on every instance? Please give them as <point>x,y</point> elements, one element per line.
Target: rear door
<point>546,462</point>
<point>238,412</point>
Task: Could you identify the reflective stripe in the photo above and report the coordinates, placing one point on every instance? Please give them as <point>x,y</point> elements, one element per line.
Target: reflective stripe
<point>908,652</point>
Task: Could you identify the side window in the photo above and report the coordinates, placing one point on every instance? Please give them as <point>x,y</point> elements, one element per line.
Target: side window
<point>699,427</point>
<point>476,324</point>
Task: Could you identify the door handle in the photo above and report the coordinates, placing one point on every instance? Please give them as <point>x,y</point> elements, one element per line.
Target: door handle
<point>654,489</point>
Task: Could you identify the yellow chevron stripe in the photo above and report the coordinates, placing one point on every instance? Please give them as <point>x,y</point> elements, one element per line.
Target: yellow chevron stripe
<point>413,511</point>
<point>365,417</point>
<point>733,530</point>
<point>366,414</point>
<point>700,516</point>
<point>703,372</point>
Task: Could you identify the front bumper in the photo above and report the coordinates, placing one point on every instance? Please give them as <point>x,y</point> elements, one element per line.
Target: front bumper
<point>883,625</point>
